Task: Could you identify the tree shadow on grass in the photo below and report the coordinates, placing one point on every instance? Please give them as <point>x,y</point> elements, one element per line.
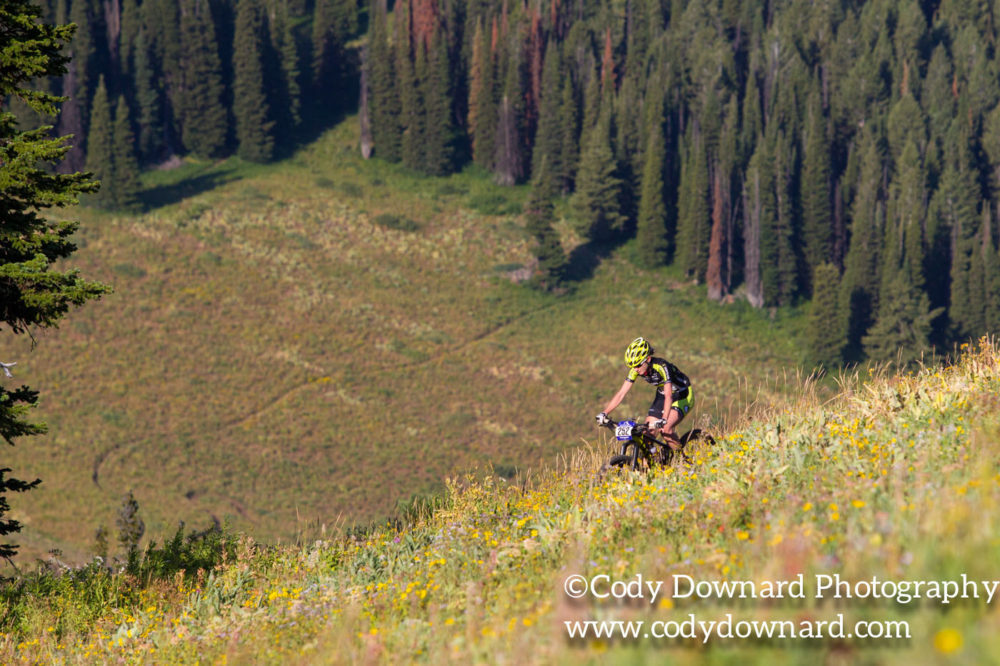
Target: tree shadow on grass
<point>164,195</point>
<point>584,259</point>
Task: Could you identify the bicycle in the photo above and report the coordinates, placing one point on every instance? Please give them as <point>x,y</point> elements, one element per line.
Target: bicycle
<point>640,449</point>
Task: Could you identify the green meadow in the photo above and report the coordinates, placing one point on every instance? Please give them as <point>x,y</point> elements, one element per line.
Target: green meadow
<point>310,346</point>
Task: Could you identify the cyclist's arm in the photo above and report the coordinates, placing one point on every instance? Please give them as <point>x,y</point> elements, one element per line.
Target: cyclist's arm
<point>617,399</point>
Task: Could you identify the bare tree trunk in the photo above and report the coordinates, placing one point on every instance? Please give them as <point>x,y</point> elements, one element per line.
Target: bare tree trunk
<point>367,143</point>
<point>113,20</point>
<point>71,122</point>
<point>509,169</point>
<point>717,243</point>
<point>732,212</point>
<point>751,240</point>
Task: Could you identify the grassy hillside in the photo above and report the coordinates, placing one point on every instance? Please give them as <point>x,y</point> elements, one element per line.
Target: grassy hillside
<point>895,479</point>
<point>308,343</point>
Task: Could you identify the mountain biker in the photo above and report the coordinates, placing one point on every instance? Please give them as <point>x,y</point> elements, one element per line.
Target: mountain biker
<point>667,378</point>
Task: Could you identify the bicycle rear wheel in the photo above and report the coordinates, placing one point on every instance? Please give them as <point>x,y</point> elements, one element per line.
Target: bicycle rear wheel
<point>696,442</point>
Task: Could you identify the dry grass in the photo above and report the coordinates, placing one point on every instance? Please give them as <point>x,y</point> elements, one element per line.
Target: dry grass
<point>275,355</point>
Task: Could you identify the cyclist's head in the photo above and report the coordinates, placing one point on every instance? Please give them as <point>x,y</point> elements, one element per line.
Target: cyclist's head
<point>637,352</point>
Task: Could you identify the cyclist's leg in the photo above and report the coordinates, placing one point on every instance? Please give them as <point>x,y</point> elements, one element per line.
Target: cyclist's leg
<point>678,410</point>
<point>656,408</point>
<point>655,414</point>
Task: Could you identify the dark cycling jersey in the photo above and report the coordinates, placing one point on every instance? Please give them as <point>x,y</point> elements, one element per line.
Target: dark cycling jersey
<point>660,372</point>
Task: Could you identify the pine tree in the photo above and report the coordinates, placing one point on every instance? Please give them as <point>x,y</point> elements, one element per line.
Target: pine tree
<point>753,125</point>
<point>714,277</point>
<point>907,213</point>
<point>956,216</point>
<point>291,73</point>
<point>770,260</point>
<point>203,117</point>
<point>385,106</point>
<point>861,274</point>
<point>597,200</point>
<point>78,86</point>
<point>148,100</point>
<point>484,125</point>
<point>344,19</point>
<point>334,21</point>
<point>694,225</point>
<point>976,322</point>
<point>130,526</point>
<point>817,213</point>
<point>509,163</point>
<point>101,543</point>
<point>100,147</point>
<point>827,335</point>
<point>548,136</point>
<point>991,278</point>
<point>364,105</point>
<point>628,141</point>
<point>131,24</point>
<point>651,229</point>
<point>758,209</point>
<point>722,243</point>
<point>990,140</point>
<point>777,237</point>
<point>539,214</point>
<point>162,19</point>
<point>326,54</point>
<point>939,97</point>
<point>254,126</point>
<point>534,57</point>
<point>592,107</point>
<point>569,138</point>
<point>905,123</point>
<point>126,187</point>
<point>477,63</point>
<point>975,70</point>
<point>34,294</point>
<point>413,106</point>
<point>911,26</point>
<point>440,134</point>
<point>903,326</point>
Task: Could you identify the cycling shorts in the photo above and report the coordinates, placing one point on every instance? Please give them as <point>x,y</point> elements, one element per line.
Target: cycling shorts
<point>682,404</point>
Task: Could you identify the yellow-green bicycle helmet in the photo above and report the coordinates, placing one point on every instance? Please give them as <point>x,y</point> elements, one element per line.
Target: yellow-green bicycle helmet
<point>637,352</point>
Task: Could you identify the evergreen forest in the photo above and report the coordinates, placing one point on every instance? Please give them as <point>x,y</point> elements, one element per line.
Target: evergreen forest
<point>840,154</point>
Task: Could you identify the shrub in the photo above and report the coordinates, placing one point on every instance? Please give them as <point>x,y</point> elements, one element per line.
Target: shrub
<point>494,203</point>
<point>449,190</point>
<point>390,221</point>
<point>351,189</point>
<point>188,554</point>
<point>129,270</point>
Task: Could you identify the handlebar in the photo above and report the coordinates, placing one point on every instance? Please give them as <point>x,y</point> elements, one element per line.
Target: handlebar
<point>638,429</point>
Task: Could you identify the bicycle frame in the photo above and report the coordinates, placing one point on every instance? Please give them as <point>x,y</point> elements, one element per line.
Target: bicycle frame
<point>642,445</point>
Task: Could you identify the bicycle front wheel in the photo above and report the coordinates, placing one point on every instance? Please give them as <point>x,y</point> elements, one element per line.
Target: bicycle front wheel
<point>622,461</point>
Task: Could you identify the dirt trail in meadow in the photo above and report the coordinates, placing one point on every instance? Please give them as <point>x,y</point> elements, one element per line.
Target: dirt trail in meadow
<point>450,351</point>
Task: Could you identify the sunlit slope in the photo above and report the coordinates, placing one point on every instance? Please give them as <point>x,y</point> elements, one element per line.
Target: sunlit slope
<point>308,343</point>
<point>894,480</point>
